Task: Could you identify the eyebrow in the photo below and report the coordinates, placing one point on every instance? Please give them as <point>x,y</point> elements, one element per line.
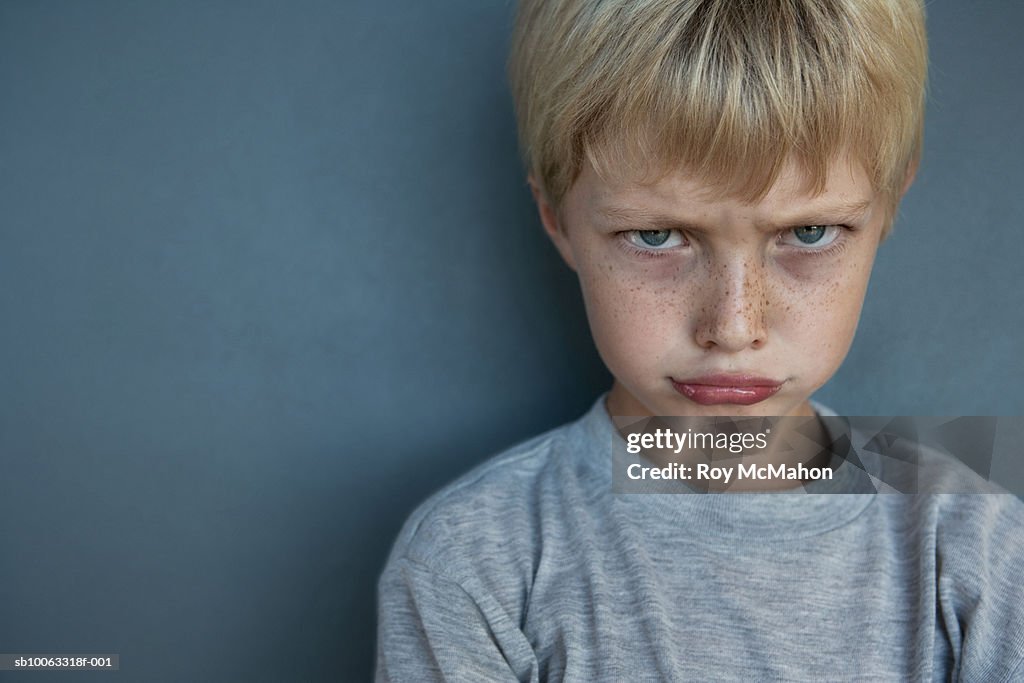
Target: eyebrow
<point>833,213</point>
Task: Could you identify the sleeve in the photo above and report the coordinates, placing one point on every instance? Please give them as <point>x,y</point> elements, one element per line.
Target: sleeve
<point>980,593</point>
<point>430,628</point>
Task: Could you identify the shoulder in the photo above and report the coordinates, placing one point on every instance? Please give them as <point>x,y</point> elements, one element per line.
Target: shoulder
<point>488,492</point>
<point>979,557</point>
<point>489,520</point>
<point>969,532</point>
<point>963,507</point>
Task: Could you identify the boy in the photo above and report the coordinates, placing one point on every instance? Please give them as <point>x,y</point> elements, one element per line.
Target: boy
<point>719,174</point>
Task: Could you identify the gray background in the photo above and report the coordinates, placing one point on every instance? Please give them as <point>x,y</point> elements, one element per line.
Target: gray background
<point>270,274</point>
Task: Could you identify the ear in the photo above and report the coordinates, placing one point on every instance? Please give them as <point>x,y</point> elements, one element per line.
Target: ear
<point>908,180</point>
<point>911,174</point>
<point>551,222</point>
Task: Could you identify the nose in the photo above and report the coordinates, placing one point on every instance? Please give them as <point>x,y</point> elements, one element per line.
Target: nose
<point>733,315</point>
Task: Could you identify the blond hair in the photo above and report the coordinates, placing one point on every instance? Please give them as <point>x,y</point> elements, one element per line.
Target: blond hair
<point>728,89</point>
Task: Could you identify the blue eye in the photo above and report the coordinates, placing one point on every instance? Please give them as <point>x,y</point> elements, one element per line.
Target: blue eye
<point>655,240</point>
<point>816,236</point>
<point>809,234</point>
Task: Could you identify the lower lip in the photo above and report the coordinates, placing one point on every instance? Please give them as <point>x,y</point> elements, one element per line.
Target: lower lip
<point>713,394</point>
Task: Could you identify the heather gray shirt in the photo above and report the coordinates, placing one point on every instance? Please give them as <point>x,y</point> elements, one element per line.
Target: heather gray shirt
<point>529,568</point>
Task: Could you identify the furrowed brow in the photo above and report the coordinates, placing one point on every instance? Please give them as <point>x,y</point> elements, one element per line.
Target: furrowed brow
<point>826,213</point>
<point>832,213</point>
<point>630,215</point>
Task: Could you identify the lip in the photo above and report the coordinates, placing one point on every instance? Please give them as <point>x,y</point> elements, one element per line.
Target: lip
<point>736,389</point>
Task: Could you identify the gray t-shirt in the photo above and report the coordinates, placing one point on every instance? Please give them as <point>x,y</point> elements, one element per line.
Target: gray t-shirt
<point>529,568</point>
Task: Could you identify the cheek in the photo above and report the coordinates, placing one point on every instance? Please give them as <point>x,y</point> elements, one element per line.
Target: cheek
<point>819,314</point>
<point>631,314</point>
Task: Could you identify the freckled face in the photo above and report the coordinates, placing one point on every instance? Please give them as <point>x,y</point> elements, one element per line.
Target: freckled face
<point>689,296</point>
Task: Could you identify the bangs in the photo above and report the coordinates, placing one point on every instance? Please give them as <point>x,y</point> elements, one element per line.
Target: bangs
<point>730,91</point>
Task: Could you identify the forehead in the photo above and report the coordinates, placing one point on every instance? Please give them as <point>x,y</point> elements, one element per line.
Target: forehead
<point>847,190</point>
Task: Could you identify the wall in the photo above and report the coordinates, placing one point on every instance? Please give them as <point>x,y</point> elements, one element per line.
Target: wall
<point>270,274</point>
